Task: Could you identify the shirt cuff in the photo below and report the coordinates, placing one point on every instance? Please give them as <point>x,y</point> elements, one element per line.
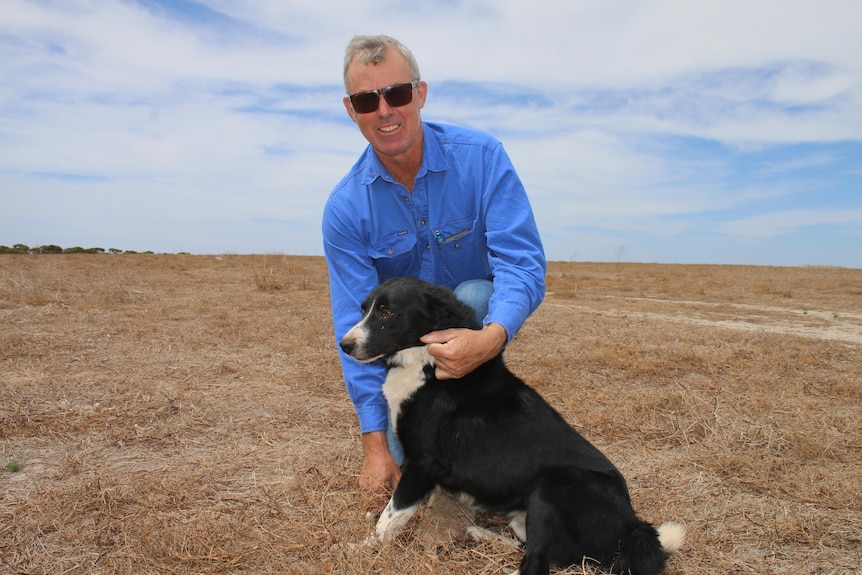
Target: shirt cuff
<point>373,418</point>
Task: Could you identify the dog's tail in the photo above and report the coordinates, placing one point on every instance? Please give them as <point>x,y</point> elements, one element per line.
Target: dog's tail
<point>644,549</point>
<point>671,535</point>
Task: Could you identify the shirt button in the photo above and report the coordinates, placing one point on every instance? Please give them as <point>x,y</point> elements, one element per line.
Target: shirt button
<point>421,222</point>
<point>406,198</point>
<point>390,251</point>
<point>427,246</point>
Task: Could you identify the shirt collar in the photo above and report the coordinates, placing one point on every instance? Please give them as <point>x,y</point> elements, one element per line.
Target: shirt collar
<point>433,159</point>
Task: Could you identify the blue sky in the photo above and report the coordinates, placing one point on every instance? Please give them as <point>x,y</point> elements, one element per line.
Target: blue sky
<point>659,131</point>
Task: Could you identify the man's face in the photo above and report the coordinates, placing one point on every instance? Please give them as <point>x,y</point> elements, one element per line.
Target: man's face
<point>390,131</point>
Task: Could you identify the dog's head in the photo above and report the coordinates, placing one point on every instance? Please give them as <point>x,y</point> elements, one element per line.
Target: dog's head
<point>400,311</point>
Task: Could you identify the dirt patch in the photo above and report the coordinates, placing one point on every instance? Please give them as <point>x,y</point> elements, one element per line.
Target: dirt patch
<point>185,414</point>
<point>843,326</point>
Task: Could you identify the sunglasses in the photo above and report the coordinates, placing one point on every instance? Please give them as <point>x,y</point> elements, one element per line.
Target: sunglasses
<point>396,96</point>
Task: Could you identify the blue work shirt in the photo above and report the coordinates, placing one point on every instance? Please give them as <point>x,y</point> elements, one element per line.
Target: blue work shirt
<point>468,217</point>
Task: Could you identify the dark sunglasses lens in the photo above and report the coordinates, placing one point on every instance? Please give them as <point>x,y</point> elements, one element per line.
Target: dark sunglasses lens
<point>396,96</point>
<point>364,103</point>
<point>400,95</point>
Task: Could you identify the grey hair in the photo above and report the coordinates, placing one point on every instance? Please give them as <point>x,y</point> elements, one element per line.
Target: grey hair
<point>372,50</point>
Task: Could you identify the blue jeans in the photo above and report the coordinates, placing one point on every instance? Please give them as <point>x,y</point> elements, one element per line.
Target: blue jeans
<point>476,294</point>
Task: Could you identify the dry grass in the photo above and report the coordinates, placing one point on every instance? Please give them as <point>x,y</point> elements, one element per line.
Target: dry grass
<point>185,414</point>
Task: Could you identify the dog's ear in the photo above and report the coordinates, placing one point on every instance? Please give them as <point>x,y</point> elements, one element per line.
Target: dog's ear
<point>447,311</point>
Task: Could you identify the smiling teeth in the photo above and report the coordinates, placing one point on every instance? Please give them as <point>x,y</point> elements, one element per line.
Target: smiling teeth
<point>389,128</point>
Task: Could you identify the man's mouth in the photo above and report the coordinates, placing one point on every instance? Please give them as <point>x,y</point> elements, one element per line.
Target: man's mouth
<point>386,129</point>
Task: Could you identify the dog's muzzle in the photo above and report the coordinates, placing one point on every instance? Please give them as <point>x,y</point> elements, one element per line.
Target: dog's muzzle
<point>348,344</point>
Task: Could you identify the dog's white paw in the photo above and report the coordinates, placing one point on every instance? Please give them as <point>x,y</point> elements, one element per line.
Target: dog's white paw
<point>480,534</point>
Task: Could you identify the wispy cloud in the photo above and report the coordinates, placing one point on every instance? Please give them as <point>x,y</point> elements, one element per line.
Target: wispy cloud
<point>779,223</point>
<point>215,126</point>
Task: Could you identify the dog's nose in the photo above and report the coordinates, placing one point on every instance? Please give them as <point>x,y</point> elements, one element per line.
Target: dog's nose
<point>348,344</point>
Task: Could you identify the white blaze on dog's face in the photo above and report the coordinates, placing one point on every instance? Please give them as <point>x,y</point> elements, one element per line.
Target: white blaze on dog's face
<point>391,321</point>
<point>355,341</point>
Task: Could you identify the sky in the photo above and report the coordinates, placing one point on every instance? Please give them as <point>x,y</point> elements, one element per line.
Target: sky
<point>653,131</point>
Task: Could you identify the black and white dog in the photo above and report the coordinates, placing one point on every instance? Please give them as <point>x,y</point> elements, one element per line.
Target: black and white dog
<point>490,436</point>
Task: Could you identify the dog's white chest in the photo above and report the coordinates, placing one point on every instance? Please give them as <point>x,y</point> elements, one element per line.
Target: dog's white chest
<point>406,375</point>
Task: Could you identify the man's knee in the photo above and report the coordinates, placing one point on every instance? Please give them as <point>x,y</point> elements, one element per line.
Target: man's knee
<point>476,294</point>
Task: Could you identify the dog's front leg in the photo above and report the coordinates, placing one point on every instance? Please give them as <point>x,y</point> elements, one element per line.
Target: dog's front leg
<point>392,520</point>
<point>415,484</point>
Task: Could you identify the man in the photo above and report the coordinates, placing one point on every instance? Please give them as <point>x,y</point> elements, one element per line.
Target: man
<point>433,201</point>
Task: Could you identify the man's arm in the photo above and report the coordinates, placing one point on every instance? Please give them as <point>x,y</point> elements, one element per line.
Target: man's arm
<point>380,473</point>
<point>351,276</point>
<point>518,268</point>
<point>516,255</point>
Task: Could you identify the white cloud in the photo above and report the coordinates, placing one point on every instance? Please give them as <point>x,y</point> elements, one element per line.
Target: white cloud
<point>779,223</point>
<point>655,118</point>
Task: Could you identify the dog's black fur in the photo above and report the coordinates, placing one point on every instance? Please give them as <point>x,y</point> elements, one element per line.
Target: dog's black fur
<point>491,436</point>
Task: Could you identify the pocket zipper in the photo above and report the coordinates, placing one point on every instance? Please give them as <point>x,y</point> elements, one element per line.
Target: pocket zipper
<point>453,237</point>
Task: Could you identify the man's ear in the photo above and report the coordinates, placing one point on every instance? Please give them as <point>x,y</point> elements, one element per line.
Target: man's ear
<point>422,92</point>
<point>349,108</point>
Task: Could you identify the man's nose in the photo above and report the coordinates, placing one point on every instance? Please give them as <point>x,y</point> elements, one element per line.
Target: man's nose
<point>383,107</point>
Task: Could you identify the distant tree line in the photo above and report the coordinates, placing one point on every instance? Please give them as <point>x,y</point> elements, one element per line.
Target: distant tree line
<point>52,249</point>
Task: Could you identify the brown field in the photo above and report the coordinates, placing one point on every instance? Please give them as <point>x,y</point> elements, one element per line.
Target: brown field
<point>185,414</point>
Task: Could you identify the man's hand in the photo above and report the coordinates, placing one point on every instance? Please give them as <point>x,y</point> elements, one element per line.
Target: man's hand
<point>380,473</point>
<point>460,351</point>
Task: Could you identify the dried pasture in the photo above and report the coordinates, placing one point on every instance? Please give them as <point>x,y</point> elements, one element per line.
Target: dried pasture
<point>185,414</point>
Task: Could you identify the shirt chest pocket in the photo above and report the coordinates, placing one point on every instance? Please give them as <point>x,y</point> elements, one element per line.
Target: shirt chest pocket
<point>462,250</point>
<point>457,234</point>
<point>394,255</point>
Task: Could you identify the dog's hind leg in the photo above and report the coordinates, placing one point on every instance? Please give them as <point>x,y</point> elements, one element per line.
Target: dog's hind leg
<point>518,525</point>
<point>480,534</point>
<point>534,564</point>
<point>537,560</point>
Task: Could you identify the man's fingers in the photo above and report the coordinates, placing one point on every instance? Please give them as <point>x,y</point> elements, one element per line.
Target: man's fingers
<point>374,494</point>
<point>373,502</point>
<point>438,337</point>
